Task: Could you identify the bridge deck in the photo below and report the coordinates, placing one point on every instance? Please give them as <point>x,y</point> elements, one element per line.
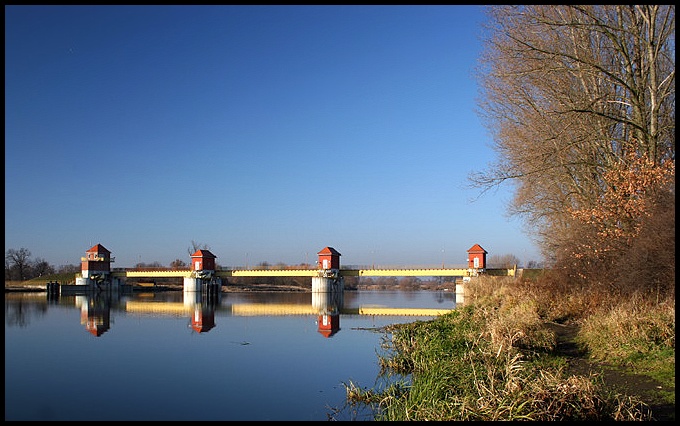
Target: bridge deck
<point>444,272</point>
<point>404,272</point>
<point>434,272</point>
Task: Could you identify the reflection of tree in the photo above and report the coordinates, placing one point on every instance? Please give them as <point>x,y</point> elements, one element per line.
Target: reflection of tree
<point>18,312</point>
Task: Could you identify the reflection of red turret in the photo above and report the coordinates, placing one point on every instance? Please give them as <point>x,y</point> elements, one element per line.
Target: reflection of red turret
<point>329,258</point>
<point>203,260</point>
<point>329,324</point>
<point>203,319</point>
<point>96,316</point>
<point>477,257</point>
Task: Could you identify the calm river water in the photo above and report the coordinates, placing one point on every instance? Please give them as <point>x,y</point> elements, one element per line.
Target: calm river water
<point>177,356</point>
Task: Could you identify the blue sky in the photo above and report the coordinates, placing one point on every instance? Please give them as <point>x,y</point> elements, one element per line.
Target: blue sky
<point>265,132</point>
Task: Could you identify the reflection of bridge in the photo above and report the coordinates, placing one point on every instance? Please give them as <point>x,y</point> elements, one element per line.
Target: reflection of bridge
<point>201,308</point>
<point>276,309</point>
<point>255,309</point>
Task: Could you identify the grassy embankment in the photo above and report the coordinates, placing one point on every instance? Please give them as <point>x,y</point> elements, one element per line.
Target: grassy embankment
<point>495,359</point>
<point>41,282</point>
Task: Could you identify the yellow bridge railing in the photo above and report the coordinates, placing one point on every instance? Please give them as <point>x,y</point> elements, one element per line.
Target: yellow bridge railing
<point>444,272</point>
<point>405,272</point>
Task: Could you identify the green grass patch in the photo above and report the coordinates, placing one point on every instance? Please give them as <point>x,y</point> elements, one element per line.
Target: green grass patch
<point>532,273</point>
<point>493,359</point>
<point>64,278</point>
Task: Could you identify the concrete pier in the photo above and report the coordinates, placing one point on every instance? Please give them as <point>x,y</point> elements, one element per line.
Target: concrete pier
<point>328,302</point>
<point>328,284</point>
<point>460,294</point>
<point>194,284</point>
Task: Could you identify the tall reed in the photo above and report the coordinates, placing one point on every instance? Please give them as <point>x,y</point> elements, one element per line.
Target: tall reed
<point>490,360</point>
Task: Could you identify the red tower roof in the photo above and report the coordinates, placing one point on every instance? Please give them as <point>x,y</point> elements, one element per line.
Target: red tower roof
<point>477,249</point>
<point>98,249</point>
<point>203,253</point>
<point>329,250</point>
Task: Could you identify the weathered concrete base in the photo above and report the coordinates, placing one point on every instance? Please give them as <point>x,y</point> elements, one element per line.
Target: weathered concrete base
<point>71,289</point>
<point>460,294</point>
<point>328,302</point>
<point>208,297</point>
<point>328,284</point>
<point>108,281</point>
<point>199,285</point>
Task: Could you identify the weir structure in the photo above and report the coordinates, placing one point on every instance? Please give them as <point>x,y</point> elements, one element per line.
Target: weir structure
<point>203,276</point>
<point>202,285</point>
<point>95,269</point>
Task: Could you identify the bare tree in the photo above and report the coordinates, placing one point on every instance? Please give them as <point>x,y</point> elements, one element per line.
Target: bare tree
<point>650,259</point>
<point>8,270</point>
<point>568,92</point>
<point>178,264</point>
<point>68,269</point>
<point>143,265</point>
<point>18,262</point>
<point>196,246</point>
<point>502,261</point>
<point>533,264</point>
<point>40,267</point>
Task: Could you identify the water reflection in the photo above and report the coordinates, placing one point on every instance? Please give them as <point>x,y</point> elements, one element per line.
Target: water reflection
<point>203,306</point>
<point>200,308</point>
<point>21,308</point>
<point>282,356</point>
<point>95,312</point>
<point>327,305</point>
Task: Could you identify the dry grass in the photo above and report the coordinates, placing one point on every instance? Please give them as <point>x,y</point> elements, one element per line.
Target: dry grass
<point>631,327</point>
<point>492,358</point>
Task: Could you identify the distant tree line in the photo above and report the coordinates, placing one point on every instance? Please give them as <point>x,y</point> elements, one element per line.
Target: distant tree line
<point>20,267</point>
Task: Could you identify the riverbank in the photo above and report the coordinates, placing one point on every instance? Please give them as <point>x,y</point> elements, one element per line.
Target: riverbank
<point>32,288</point>
<point>22,287</point>
<point>569,351</point>
<point>511,353</point>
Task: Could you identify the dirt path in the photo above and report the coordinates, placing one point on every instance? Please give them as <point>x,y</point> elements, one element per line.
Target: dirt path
<point>623,382</point>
